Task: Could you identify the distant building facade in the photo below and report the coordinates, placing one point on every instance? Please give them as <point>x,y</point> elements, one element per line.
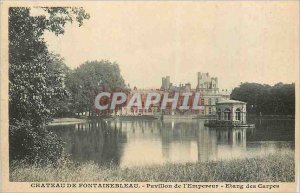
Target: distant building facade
<point>209,96</point>
<point>208,88</point>
<point>168,86</point>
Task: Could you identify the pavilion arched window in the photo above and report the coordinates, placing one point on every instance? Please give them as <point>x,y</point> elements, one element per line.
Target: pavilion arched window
<point>227,114</point>
<point>238,114</point>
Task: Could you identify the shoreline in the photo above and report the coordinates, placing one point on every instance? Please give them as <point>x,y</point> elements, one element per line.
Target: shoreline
<point>67,121</point>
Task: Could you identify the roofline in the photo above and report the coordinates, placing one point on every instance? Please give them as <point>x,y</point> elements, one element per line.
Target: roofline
<point>231,102</point>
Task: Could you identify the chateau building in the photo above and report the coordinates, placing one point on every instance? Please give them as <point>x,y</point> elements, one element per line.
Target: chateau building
<point>166,85</point>
<point>210,94</point>
<point>207,86</point>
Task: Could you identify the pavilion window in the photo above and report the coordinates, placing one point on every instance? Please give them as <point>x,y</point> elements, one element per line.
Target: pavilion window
<point>227,114</point>
<point>238,114</point>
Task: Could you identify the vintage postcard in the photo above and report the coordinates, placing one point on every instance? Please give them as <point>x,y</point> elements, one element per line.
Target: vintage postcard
<point>150,96</point>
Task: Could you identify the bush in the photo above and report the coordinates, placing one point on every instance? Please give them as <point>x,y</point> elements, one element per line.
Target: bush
<point>34,145</point>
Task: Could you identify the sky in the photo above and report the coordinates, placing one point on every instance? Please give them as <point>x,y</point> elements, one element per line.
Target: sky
<point>235,41</point>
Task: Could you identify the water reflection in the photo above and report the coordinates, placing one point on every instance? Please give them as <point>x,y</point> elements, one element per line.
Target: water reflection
<point>146,142</point>
<point>221,143</point>
<point>99,142</point>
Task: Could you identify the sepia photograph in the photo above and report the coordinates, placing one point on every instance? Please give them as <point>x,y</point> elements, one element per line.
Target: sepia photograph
<point>150,96</point>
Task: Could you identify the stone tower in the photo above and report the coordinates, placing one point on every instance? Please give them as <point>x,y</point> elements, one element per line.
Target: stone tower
<point>207,83</point>
<point>165,83</point>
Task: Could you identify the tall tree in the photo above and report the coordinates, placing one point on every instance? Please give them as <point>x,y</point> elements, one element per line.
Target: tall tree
<point>36,75</point>
<point>86,81</point>
<point>36,81</point>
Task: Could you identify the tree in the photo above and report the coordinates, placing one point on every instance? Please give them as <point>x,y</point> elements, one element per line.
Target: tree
<point>86,81</point>
<point>36,82</point>
<point>271,100</point>
<point>35,75</point>
<point>60,105</point>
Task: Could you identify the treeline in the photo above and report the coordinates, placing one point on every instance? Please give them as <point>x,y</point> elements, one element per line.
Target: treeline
<point>265,99</point>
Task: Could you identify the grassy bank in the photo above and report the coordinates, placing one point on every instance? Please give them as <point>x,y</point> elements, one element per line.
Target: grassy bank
<point>275,168</point>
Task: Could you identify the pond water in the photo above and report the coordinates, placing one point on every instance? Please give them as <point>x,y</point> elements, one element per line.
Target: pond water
<point>147,142</point>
